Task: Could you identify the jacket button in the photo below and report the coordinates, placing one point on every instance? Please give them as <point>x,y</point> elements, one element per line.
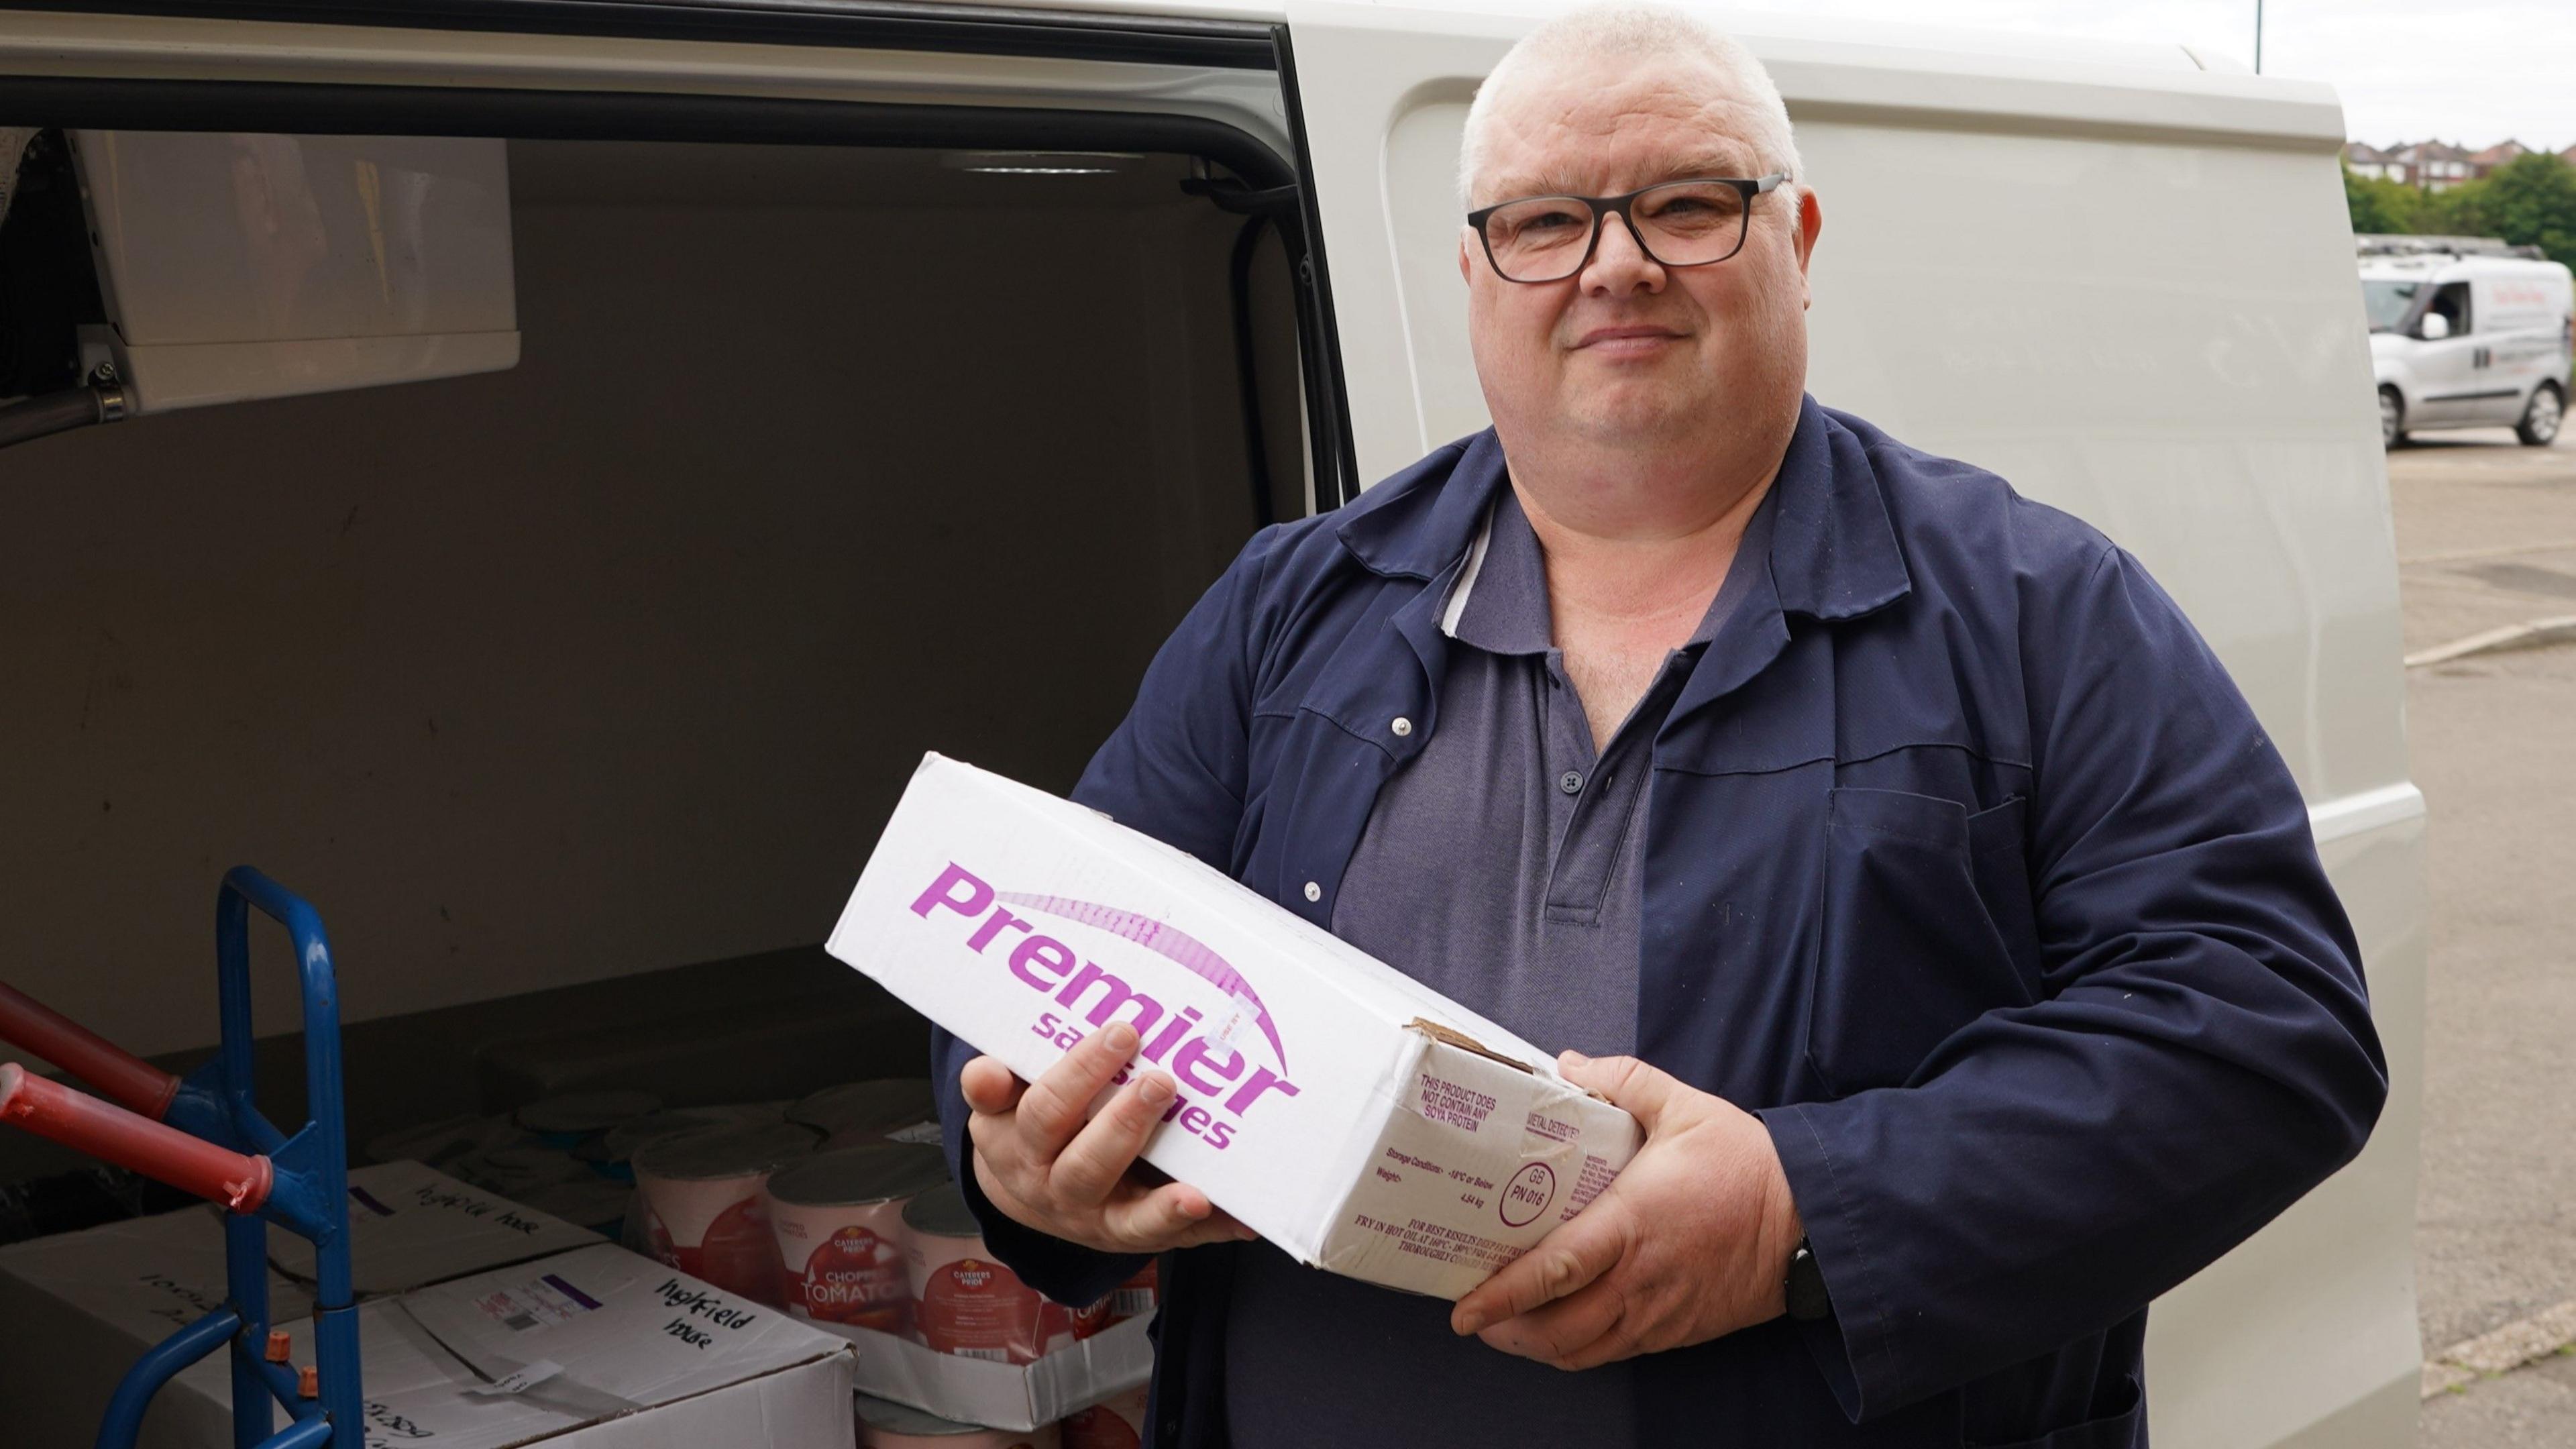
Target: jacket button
<point>1570,782</point>
<point>1314,892</point>
<point>1402,726</point>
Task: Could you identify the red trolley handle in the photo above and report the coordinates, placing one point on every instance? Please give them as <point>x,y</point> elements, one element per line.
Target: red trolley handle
<point>113,1134</point>
<point>120,1075</point>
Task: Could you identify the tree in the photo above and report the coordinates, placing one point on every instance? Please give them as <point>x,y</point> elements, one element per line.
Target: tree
<point>2378,205</point>
<point>2460,211</point>
<point>2531,201</point>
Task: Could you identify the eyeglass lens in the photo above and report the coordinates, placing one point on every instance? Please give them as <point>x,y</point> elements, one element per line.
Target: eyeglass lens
<point>1681,224</point>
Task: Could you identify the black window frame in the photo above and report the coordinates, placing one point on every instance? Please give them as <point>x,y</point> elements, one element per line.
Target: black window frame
<point>2466,325</point>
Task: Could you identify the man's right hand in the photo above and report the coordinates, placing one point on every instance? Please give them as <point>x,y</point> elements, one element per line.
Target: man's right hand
<point>1041,1157</point>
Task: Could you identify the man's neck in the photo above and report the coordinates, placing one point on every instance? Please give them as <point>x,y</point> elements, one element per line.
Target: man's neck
<point>1638,547</point>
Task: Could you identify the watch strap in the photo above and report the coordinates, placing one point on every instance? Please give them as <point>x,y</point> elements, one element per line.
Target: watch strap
<point>1808,1301</point>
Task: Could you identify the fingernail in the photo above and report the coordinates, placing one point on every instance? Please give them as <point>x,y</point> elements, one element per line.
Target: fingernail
<point>1572,1058</point>
<point>1196,1210</point>
<point>1119,1037</point>
<point>1155,1090</point>
<point>1467,1323</point>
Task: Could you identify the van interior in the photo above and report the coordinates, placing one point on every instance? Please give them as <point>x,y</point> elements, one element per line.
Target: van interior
<point>574,695</point>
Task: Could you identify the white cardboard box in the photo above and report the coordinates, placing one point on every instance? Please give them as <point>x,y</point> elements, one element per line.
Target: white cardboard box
<point>583,1344</point>
<point>410,1226</point>
<point>603,1349</point>
<point>1352,1116</point>
<point>77,1309</point>
<point>1002,1395</point>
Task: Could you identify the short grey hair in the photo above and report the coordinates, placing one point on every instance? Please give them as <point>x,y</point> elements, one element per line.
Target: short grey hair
<point>1623,28</point>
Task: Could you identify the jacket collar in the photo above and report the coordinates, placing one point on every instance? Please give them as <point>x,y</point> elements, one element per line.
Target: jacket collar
<point>1833,548</point>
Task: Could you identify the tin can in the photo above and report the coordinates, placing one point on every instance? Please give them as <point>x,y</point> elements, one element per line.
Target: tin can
<point>577,1117</point>
<point>838,1220</point>
<point>887,1425</point>
<point>1138,1296</point>
<point>963,1301</point>
<point>702,1196</point>
<point>1115,1423</point>
<point>856,1112</point>
<point>612,1153</point>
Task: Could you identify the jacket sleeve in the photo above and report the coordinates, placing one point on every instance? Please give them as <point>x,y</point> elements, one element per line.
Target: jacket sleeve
<point>1174,769</point>
<point>2201,1053</point>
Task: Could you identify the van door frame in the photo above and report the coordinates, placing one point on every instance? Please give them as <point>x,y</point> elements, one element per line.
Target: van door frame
<point>359,108</point>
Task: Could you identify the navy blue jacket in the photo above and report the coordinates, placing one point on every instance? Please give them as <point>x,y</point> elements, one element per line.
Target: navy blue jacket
<point>1968,870</point>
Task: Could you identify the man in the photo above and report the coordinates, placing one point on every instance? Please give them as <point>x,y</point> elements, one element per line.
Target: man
<point>1898,852</point>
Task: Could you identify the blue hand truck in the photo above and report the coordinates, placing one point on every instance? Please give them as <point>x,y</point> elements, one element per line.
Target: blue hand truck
<point>204,1134</point>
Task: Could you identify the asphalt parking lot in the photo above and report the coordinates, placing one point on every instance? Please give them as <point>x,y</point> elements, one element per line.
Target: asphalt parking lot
<point>2486,537</point>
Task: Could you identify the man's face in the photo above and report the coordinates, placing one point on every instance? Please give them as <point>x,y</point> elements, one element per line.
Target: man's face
<point>1628,353</point>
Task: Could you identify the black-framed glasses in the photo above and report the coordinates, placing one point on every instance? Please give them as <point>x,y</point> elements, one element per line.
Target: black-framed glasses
<point>1677,223</point>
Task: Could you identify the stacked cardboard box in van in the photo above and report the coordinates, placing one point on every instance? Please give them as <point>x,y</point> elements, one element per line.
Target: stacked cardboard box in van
<point>487,1332</point>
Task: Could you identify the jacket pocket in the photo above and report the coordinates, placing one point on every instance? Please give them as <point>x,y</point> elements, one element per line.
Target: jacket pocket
<point>2125,1429</point>
<point>1927,926</point>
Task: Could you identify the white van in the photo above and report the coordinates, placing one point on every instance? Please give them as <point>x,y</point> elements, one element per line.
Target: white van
<point>2469,341</point>
<point>893,375</point>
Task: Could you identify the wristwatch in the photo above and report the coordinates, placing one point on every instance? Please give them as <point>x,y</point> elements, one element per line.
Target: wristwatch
<point>1806,1284</point>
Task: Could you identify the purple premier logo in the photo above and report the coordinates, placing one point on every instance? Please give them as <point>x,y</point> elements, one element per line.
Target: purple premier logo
<point>1206,1063</point>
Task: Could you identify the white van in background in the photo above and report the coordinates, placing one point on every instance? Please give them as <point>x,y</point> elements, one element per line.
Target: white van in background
<point>2468,340</point>
<point>886,375</point>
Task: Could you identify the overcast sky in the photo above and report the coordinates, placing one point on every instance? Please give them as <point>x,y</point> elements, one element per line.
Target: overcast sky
<point>2474,71</point>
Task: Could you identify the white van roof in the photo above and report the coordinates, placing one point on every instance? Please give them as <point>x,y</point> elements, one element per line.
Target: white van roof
<point>2443,267</point>
<point>1748,25</point>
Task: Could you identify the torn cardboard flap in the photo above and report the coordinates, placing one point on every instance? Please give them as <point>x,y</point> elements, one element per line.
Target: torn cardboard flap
<point>1465,1043</point>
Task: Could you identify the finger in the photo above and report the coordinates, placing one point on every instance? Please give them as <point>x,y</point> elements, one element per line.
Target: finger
<point>1172,1216</point>
<point>1568,1258</point>
<point>1098,1157</point>
<point>993,1139</point>
<point>1588,1328</point>
<point>1055,1106</point>
<point>1640,1090</point>
<point>989,1086</point>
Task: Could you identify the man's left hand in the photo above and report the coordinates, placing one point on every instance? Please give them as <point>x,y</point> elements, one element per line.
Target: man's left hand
<point>1690,1242</point>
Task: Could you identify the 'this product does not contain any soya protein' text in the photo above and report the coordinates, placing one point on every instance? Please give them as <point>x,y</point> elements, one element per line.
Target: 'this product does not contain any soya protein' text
<point>702,1192</point>
<point>858,1112</point>
<point>838,1219</point>
<point>966,1302</point>
<point>887,1425</point>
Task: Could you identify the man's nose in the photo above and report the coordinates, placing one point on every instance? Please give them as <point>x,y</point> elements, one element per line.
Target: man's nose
<point>1619,264</point>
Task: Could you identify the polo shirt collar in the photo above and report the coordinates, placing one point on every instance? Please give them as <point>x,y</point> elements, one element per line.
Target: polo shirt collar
<point>1500,601</point>
<point>1833,547</point>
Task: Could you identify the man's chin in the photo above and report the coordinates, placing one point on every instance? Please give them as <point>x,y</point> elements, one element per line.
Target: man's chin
<point>1631,417</point>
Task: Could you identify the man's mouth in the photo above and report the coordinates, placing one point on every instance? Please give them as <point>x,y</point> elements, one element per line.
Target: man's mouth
<point>1625,341</point>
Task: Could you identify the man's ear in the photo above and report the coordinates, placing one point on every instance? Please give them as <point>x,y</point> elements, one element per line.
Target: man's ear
<point>1466,234</point>
<point>1810,224</point>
